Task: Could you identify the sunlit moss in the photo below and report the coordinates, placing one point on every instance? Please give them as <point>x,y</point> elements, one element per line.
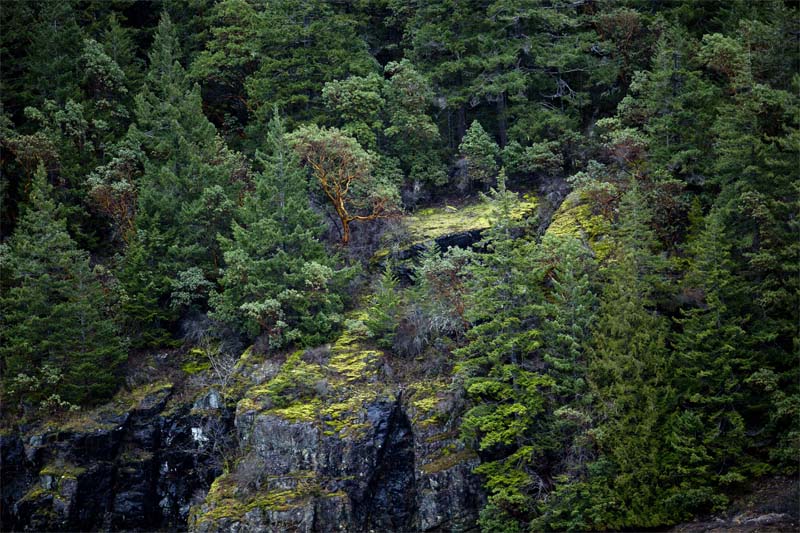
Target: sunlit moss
<point>302,411</point>
<point>226,501</point>
<point>425,398</point>
<point>576,218</point>
<point>432,223</point>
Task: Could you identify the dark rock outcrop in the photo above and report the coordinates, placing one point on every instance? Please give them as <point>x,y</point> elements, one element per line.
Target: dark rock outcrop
<point>135,469</point>
<point>352,449</point>
<point>364,453</point>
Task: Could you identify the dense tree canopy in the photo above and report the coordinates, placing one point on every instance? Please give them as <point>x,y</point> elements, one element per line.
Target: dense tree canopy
<point>625,354</point>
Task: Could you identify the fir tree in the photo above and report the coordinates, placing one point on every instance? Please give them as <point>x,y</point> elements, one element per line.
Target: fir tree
<point>302,46</point>
<point>498,367</point>
<point>186,191</point>
<point>479,153</point>
<point>60,343</point>
<point>628,370</point>
<point>385,305</point>
<point>706,433</point>
<point>278,276</point>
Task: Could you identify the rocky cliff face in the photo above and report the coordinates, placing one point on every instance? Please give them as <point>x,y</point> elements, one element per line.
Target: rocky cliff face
<point>353,449</point>
<point>331,439</point>
<point>134,464</point>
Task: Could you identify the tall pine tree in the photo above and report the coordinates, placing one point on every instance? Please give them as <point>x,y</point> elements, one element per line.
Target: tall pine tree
<point>499,368</point>
<point>278,276</point>
<point>187,189</point>
<point>60,343</point>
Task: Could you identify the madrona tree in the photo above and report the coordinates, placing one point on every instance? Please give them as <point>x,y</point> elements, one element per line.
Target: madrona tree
<point>344,172</point>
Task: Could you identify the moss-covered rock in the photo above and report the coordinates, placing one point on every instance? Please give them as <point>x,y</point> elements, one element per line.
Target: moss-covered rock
<point>575,217</point>
<point>432,223</point>
<point>195,362</point>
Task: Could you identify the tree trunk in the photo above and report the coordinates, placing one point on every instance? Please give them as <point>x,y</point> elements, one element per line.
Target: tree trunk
<point>345,231</point>
<point>461,124</point>
<point>502,126</point>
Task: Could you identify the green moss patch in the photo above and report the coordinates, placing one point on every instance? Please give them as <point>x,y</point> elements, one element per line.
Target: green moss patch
<point>304,411</point>
<point>63,470</point>
<point>447,461</point>
<point>226,500</point>
<point>425,399</point>
<point>355,365</point>
<point>432,223</point>
<point>343,418</point>
<point>101,418</point>
<point>575,218</point>
<point>288,394</point>
<point>196,361</point>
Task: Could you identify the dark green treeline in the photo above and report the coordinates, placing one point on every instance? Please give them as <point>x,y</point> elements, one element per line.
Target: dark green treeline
<point>632,375</point>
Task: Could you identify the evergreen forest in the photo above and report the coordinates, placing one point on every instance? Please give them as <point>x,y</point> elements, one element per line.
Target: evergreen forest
<point>577,222</point>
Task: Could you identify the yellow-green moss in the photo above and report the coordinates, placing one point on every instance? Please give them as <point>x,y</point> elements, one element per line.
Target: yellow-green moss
<point>575,218</point>
<point>35,493</point>
<point>196,361</point>
<point>302,411</point>
<point>140,393</point>
<point>289,391</point>
<point>64,470</point>
<point>225,500</point>
<point>425,397</point>
<point>221,499</point>
<point>246,358</point>
<point>355,365</point>
<point>526,207</point>
<point>283,500</point>
<point>432,223</point>
<point>343,417</point>
<point>91,419</point>
<point>447,461</point>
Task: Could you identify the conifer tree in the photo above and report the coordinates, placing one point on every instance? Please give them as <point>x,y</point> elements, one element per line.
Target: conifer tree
<point>706,433</point>
<point>278,278</point>
<point>60,343</point>
<point>756,151</point>
<point>186,190</point>
<point>231,55</point>
<point>303,45</point>
<point>414,137</point>
<point>498,367</point>
<point>569,310</point>
<point>627,376</point>
<point>385,305</point>
<point>479,153</point>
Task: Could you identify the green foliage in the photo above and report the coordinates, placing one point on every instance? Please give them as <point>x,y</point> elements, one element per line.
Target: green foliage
<point>346,174</point>
<point>295,381</point>
<point>60,342</point>
<point>384,309</point>
<point>302,45</point>
<point>186,190</point>
<point>414,137</point>
<point>497,364</point>
<point>278,277</point>
<point>479,153</point>
<point>357,102</point>
<point>570,312</point>
<point>627,364</point>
